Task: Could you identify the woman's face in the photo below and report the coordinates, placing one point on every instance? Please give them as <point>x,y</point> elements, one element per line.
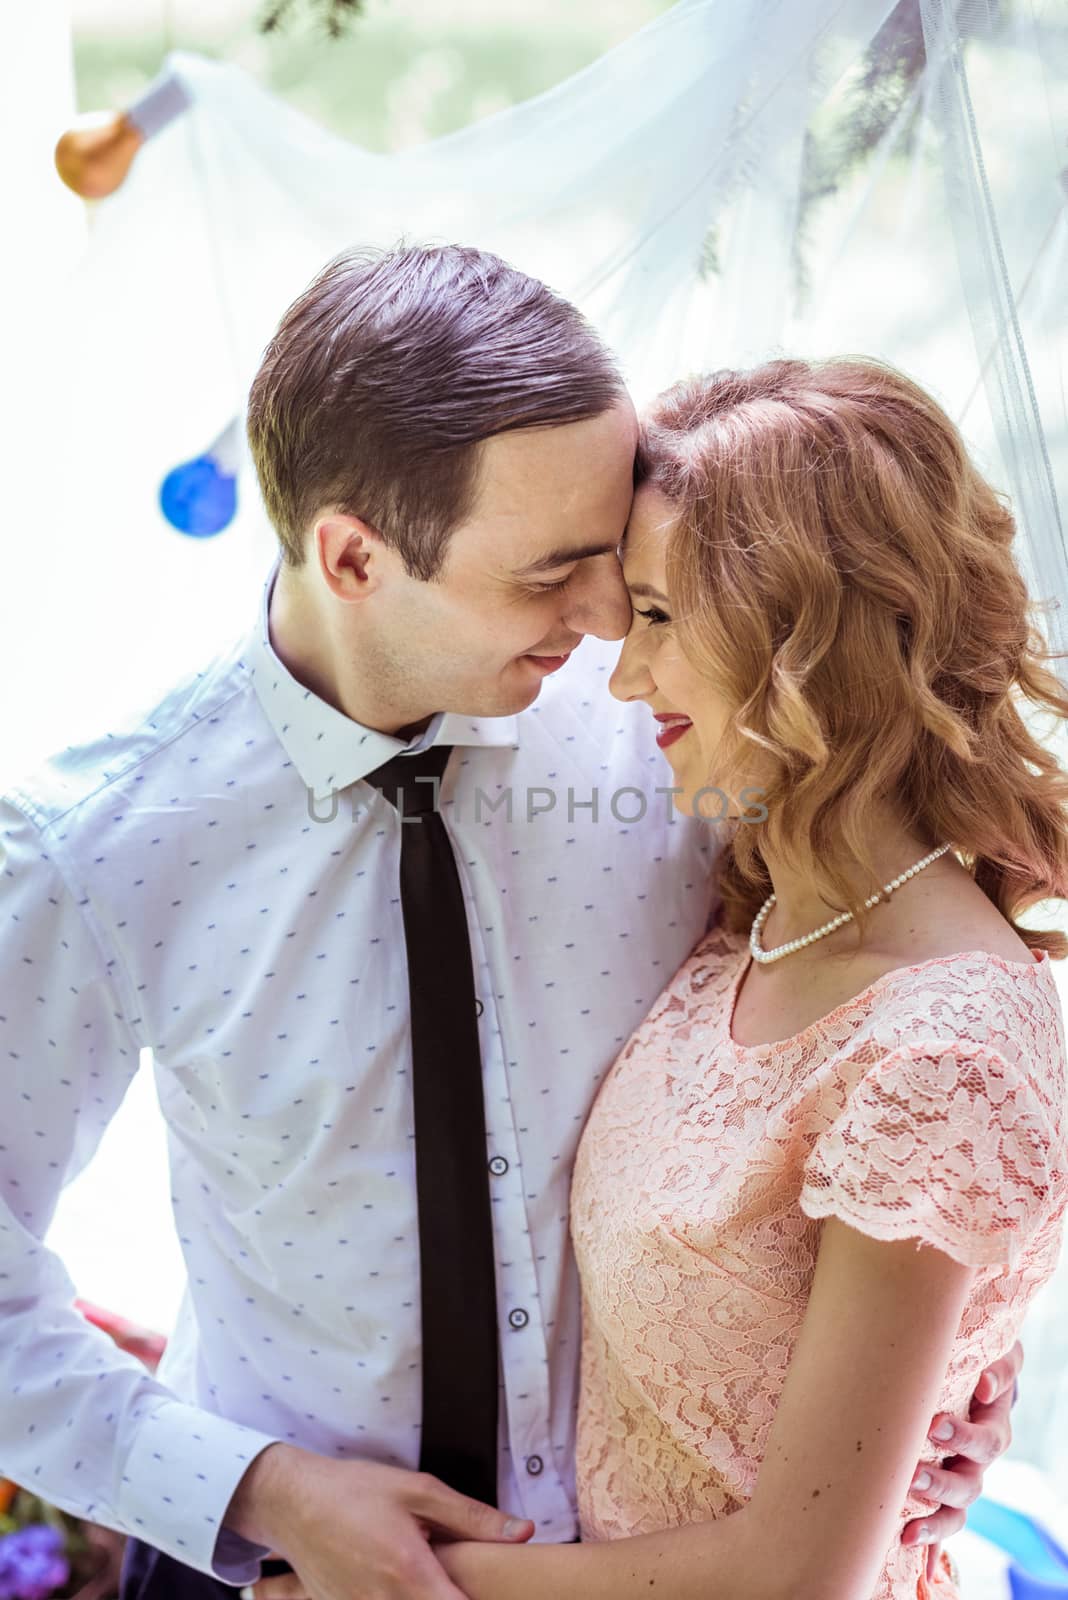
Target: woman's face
<point>691,716</point>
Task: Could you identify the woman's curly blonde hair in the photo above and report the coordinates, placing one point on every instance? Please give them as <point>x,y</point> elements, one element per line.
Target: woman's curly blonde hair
<point>844,576</point>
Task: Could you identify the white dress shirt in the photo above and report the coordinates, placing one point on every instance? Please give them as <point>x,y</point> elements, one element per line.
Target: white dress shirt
<point>215,884</point>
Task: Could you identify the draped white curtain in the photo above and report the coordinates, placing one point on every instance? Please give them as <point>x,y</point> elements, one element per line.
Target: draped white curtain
<point>684,146</point>
<point>666,189</point>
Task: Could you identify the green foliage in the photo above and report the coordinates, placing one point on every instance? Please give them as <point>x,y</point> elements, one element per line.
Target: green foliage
<point>890,73</point>
<point>335,15</point>
<point>404,72</point>
<point>879,95</point>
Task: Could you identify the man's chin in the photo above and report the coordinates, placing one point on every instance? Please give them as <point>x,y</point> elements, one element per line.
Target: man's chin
<point>506,702</point>
<point>517,700</point>
<point>515,690</point>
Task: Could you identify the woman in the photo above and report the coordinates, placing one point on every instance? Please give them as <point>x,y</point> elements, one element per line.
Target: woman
<point>827,1174</point>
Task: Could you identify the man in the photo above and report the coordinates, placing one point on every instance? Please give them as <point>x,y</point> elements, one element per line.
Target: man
<point>445,450</point>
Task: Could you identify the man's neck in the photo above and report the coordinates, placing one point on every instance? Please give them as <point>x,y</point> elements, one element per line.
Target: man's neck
<point>303,642</point>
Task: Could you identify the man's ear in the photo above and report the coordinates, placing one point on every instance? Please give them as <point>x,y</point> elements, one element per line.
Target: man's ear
<point>349,554</point>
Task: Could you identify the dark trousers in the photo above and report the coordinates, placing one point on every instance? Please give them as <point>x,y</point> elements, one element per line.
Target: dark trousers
<point>148,1574</point>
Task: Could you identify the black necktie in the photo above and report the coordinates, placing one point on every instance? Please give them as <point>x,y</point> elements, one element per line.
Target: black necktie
<point>459,1299</point>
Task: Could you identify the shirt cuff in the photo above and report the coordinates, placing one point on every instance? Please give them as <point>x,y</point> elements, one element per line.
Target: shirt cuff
<point>180,1476</point>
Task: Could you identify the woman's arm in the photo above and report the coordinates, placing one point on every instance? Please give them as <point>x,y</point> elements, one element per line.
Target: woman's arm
<point>865,1377</point>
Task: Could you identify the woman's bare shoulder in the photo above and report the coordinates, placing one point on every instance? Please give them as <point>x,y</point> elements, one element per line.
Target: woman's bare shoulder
<point>955,920</point>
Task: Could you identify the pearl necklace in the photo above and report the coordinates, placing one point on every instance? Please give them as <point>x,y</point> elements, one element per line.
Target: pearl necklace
<point>781,950</point>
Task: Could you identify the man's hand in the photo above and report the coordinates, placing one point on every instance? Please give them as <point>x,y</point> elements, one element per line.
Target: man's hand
<point>357,1530</point>
<point>973,1445</point>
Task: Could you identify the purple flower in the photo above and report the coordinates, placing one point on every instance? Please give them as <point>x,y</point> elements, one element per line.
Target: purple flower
<point>32,1564</point>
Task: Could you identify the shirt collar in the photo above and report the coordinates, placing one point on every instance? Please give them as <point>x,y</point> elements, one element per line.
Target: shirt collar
<point>330,750</point>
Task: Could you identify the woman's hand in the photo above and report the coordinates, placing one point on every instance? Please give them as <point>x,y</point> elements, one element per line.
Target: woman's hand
<point>974,1445</point>
<point>681,1557</point>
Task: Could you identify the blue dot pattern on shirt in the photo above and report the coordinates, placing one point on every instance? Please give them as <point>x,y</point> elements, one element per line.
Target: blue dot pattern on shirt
<point>215,884</point>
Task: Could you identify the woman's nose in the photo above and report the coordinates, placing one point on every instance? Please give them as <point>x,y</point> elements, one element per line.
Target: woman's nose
<point>630,679</point>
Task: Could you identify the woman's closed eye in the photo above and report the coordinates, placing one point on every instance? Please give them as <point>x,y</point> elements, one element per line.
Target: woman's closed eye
<point>653,616</point>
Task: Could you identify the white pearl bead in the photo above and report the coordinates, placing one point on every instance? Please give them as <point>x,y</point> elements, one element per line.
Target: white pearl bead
<point>838,921</point>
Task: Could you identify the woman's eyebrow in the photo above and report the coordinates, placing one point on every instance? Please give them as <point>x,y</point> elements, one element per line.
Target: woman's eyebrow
<point>647,592</point>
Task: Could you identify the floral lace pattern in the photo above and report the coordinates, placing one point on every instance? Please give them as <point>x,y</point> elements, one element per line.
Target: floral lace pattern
<point>930,1106</point>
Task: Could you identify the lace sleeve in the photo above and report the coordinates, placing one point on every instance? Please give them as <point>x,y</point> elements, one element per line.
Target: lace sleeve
<point>950,1145</point>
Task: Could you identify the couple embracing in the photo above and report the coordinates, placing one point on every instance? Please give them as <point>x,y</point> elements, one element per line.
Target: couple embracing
<point>585,1198</point>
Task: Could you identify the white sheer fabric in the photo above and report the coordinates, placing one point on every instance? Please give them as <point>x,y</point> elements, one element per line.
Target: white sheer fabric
<point>608,186</point>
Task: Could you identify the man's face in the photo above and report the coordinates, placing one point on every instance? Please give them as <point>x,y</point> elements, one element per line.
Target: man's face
<point>532,569</point>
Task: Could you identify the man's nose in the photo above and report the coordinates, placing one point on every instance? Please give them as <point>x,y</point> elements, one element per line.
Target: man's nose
<point>602,606</point>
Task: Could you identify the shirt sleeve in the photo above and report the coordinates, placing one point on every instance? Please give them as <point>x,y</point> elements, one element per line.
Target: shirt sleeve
<point>82,1423</point>
<point>951,1145</point>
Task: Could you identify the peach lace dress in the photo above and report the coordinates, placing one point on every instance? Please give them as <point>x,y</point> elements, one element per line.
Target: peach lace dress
<point>929,1106</point>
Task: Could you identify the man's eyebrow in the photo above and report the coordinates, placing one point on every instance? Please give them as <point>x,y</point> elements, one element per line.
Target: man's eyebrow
<point>557,558</point>
<point>645,591</point>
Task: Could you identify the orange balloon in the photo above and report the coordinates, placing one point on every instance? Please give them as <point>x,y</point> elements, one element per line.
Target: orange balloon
<point>94,156</point>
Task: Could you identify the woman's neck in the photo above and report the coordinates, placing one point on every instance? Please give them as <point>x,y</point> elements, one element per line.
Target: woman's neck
<point>799,907</point>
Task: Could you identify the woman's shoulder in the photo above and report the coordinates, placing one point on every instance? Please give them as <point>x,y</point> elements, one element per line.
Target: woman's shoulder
<point>1000,1001</point>
<point>958,931</point>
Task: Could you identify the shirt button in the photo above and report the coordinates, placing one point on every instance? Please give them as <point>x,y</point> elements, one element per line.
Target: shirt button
<point>519,1319</point>
<point>479,1007</point>
<point>498,1166</point>
<point>534,1465</point>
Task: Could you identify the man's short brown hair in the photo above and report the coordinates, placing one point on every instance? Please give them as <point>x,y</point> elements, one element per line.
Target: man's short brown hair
<point>390,369</point>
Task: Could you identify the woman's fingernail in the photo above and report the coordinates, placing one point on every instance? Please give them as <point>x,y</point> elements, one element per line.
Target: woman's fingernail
<point>925,1535</point>
<point>921,1481</point>
<point>513,1528</point>
<point>943,1431</point>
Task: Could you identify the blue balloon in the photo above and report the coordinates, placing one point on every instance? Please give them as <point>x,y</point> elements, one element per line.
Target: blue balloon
<point>1039,1566</point>
<point>199,498</point>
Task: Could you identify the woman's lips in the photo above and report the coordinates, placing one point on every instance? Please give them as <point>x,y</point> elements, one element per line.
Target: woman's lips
<point>672,728</point>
